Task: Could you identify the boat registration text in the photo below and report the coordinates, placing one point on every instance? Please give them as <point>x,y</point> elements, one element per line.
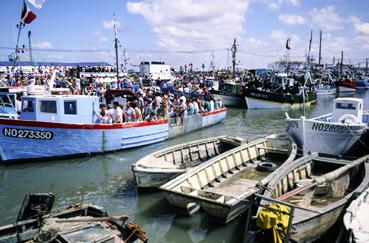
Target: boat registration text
<point>25,133</point>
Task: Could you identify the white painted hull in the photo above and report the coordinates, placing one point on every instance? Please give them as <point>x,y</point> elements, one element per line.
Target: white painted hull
<point>24,140</point>
<point>331,91</point>
<point>341,89</point>
<point>253,103</point>
<point>324,137</point>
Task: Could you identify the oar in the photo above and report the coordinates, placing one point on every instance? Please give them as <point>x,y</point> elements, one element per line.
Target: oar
<point>324,178</point>
<point>94,219</point>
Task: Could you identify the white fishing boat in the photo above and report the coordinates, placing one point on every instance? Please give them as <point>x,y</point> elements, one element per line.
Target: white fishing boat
<point>157,168</point>
<point>355,219</point>
<point>65,125</point>
<point>333,133</point>
<point>222,185</point>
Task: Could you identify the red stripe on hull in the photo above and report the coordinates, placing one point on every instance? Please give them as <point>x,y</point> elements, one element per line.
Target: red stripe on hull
<point>27,123</point>
<point>214,112</point>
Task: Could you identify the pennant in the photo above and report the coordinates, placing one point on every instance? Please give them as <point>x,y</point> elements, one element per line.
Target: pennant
<point>288,45</point>
<point>27,15</point>
<point>36,3</point>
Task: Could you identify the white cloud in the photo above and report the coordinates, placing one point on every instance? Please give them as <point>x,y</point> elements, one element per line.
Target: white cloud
<point>282,36</point>
<point>325,18</point>
<point>190,25</point>
<point>43,45</point>
<point>359,26</point>
<point>277,4</point>
<point>100,37</point>
<point>291,19</point>
<point>109,24</point>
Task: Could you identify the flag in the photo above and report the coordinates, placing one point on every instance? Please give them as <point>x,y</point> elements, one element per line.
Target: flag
<point>27,15</point>
<point>288,46</point>
<point>37,3</point>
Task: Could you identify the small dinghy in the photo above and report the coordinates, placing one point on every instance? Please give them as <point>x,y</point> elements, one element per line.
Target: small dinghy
<point>79,223</point>
<point>355,219</point>
<point>159,167</point>
<point>222,185</point>
<point>318,189</point>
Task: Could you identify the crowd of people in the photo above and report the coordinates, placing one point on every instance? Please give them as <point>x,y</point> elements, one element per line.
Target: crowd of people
<point>149,105</point>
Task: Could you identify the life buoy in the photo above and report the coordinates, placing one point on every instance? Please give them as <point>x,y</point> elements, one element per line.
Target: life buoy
<point>348,118</point>
<point>267,166</point>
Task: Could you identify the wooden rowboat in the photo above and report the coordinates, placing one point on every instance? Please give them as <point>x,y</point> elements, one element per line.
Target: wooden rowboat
<point>159,167</point>
<point>222,185</point>
<point>320,188</point>
<point>79,223</point>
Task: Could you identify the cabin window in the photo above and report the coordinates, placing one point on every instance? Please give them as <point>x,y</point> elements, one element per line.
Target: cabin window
<point>48,106</point>
<point>28,106</point>
<point>70,107</point>
<point>346,106</point>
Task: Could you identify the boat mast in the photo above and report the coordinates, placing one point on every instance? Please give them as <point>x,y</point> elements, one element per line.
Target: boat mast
<point>341,65</point>
<point>212,62</point>
<point>116,46</point>
<point>320,48</point>
<point>29,46</point>
<point>20,26</point>
<point>234,50</point>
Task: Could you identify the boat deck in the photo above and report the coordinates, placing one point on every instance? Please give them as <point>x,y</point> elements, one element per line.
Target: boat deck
<point>238,184</point>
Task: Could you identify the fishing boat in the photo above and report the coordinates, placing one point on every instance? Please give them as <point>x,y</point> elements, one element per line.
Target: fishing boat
<point>230,92</point>
<point>334,133</point>
<point>318,189</point>
<point>355,219</point>
<point>65,125</point>
<point>280,98</point>
<point>345,85</point>
<point>157,168</point>
<point>79,223</point>
<point>222,185</point>
<point>326,90</point>
<point>362,82</point>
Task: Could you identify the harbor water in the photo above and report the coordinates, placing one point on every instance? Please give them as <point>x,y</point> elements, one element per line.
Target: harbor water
<point>107,180</point>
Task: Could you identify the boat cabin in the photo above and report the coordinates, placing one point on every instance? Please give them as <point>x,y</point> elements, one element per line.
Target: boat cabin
<point>8,108</point>
<point>348,108</point>
<point>60,108</point>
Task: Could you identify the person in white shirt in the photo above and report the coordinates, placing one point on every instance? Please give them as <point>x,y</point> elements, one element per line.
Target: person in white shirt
<point>118,113</point>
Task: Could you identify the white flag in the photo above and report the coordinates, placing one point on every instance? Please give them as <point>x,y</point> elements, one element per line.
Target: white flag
<point>36,3</point>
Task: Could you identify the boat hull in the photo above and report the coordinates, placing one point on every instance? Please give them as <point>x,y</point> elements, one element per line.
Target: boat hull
<point>331,91</point>
<point>362,85</point>
<point>231,99</point>
<point>30,140</point>
<point>153,178</point>
<point>258,99</point>
<point>192,123</point>
<point>342,89</point>
<point>324,137</point>
<point>52,140</point>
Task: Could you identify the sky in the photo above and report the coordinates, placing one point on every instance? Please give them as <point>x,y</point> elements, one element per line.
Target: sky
<point>180,32</point>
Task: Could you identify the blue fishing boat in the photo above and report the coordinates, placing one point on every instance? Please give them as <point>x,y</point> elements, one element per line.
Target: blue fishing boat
<point>54,126</point>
